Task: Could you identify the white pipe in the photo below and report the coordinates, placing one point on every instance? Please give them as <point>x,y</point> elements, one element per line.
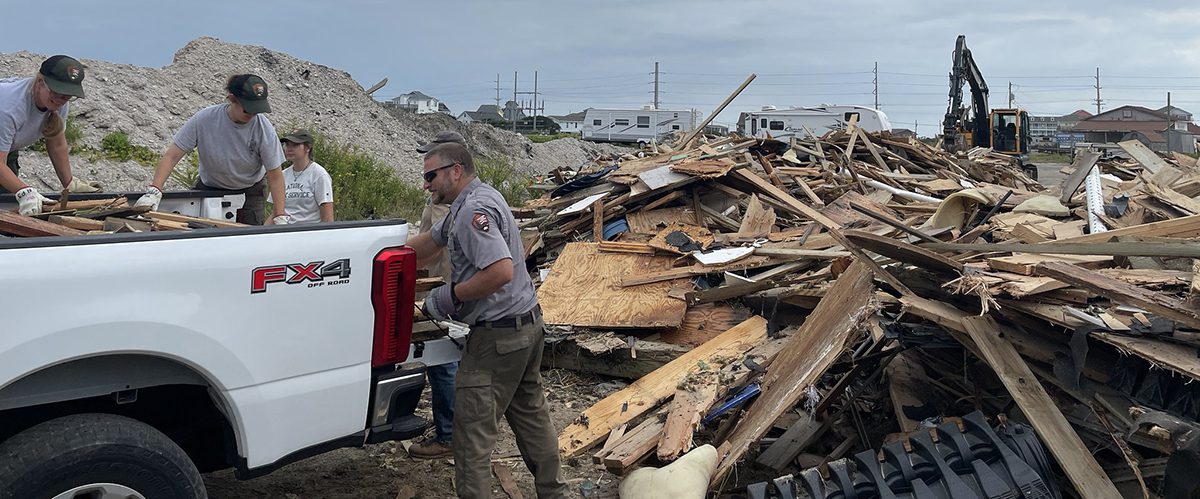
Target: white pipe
<point>902,193</point>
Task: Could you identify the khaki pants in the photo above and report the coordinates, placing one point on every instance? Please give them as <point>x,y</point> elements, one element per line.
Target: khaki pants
<point>499,376</point>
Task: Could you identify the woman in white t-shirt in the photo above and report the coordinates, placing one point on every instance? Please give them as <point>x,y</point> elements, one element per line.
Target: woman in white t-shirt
<point>308,187</point>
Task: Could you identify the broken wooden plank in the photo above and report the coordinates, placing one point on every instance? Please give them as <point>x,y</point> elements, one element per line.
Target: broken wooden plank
<point>1121,292</point>
<point>1040,410</point>
<point>1120,248</point>
<point>78,223</point>
<point>798,436</point>
<point>1142,154</point>
<point>634,445</point>
<point>758,221</point>
<point>644,394</point>
<point>175,217</point>
<point>805,356</point>
<point>23,226</point>
<point>1182,227</point>
<point>1024,263</point>
<point>507,483</point>
<point>687,408</point>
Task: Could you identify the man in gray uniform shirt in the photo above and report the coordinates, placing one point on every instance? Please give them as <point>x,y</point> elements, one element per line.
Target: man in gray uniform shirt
<point>492,292</point>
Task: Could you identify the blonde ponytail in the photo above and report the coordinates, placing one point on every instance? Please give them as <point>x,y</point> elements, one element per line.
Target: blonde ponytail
<point>53,125</point>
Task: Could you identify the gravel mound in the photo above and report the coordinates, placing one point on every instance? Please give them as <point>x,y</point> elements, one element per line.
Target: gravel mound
<point>150,104</point>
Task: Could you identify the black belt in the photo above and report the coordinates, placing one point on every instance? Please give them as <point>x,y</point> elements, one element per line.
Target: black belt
<point>515,321</point>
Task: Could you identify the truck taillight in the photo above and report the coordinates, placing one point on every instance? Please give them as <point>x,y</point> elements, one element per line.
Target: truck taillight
<point>393,289</point>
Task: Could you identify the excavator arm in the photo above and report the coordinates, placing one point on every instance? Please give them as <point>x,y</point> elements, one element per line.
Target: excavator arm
<point>960,119</point>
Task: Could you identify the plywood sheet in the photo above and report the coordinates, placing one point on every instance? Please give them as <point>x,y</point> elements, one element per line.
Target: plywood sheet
<point>704,322</point>
<point>650,222</point>
<point>584,289</point>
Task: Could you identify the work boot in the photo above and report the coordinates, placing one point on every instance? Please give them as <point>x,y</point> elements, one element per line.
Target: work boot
<point>430,448</point>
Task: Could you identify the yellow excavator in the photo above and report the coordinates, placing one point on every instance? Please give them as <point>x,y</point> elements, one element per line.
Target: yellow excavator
<point>1006,131</point>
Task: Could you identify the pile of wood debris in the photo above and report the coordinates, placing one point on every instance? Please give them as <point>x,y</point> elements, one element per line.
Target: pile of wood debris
<point>99,216</point>
<point>795,303</point>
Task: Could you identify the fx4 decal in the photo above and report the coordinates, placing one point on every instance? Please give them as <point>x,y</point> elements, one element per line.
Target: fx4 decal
<point>315,273</point>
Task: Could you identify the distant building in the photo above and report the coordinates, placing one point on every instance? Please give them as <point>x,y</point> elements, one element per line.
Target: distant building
<point>1065,139</point>
<point>485,113</point>
<point>1176,113</point>
<point>903,133</point>
<point>1043,131</point>
<point>418,102</point>
<point>1149,126</point>
<point>715,129</point>
<point>570,123</point>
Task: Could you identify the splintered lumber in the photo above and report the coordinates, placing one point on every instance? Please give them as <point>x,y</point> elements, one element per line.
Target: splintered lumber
<point>644,394</point>
<point>80,223</point>
<point>687,140</point>
<point>1121,292</point>
<point>792,442</point>
<point>687,408</point>
<point>24,226</point>
<point>1138,151</point>
<point>584,289</point>
<point>1084,162</point>
<point>1130,248</point>
<point>634,445</point>
<point>758,221</point>
<point>1182,227</point>
<point>834,229</point>
<point>1040,410</point>
<point>1024,264</point>
<point>1179,358</point>
<point>904,252</point>
<point>805,357</point>
<point>507,482</point>
<point>175,217</point>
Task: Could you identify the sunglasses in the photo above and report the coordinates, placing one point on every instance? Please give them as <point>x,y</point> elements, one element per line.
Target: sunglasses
<point>57,96</point>
<point>432,174</point>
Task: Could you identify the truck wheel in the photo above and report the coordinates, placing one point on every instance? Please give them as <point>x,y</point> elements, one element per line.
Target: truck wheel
<point>96,456</point>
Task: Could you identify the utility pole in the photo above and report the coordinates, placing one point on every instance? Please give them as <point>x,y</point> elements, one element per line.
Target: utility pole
<point>1010,95</point>
<point>514,101</point>
<point>535,101</point>
<point>497,90</point>
<point>1098,101</point>
<point>1170,122</point>
<point>875,80</point>
<point>656,85</point>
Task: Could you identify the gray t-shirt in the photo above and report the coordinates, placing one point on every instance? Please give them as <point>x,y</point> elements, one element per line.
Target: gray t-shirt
<point>479,231</point>
<point>20,120</point>
<point>306,191</point>
<point>232,155</point>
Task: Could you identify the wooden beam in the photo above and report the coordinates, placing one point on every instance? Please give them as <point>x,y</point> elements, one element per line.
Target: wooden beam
<point>1182,227</point>
<point>175,217</point>
<point>644,394</point>
<point>24,226</point>
<point>804,358</point>
<point>799,435</point>
<point>984,337</point>
<point>1121,292</point>
<point>598,220</point>
<point>691,136</point>
<point>78,223</point>
<point>1131,248</point>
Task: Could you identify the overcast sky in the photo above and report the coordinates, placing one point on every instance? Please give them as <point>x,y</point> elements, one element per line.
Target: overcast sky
<point>601,53</point>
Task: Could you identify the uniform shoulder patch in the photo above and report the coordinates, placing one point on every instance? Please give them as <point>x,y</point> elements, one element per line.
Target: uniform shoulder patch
<point>480,222</point>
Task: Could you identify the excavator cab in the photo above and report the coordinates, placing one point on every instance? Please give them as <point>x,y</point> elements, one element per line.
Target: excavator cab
<point>1009,131</point>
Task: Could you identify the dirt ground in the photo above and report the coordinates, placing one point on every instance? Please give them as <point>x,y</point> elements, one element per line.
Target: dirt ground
<point>381,471</point>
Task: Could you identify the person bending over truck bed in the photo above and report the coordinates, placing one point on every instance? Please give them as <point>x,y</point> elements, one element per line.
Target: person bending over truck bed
<point>499,374</point>
<point>34,107</point>
<point>308,186</point>
<point>238,148</point>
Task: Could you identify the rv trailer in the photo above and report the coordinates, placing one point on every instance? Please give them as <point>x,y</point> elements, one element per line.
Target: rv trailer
<point>786,123</point>
<point>633,125</point>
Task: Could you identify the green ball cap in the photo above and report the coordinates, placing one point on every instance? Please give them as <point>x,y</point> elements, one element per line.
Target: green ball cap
<point>63,74</point>
<point>300,136</point>
<point>251,92</point>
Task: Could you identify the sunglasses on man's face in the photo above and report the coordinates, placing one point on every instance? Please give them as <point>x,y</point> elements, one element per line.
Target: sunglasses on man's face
<point>432,174</point>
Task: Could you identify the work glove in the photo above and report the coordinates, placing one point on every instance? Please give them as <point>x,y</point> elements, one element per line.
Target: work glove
<point>151,198</point>
<point>281,220</point>
<point>83,186</point>
<point>440,303</point>
<point>30,201</point>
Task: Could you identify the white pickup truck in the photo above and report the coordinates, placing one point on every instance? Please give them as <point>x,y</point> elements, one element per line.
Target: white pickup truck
<point>130,363</point>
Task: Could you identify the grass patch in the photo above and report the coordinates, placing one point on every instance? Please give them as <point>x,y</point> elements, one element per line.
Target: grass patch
<point>539,138</point>
<point>502,174</point>
<point>1043,157</point>
<point>363,187</point>
<point>116,146</point>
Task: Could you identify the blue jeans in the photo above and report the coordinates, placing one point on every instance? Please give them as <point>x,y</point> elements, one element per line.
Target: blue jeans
<point>441,390</point>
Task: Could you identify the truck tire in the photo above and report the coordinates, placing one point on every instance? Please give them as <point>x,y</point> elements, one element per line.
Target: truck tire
<point>96,456</point>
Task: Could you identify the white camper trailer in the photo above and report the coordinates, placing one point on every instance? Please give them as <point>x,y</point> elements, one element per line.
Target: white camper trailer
<point>633,125</point>
<point>786,123</point>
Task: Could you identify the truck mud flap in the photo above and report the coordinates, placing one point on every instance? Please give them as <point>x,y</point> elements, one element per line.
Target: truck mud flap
<point>947,462</point>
